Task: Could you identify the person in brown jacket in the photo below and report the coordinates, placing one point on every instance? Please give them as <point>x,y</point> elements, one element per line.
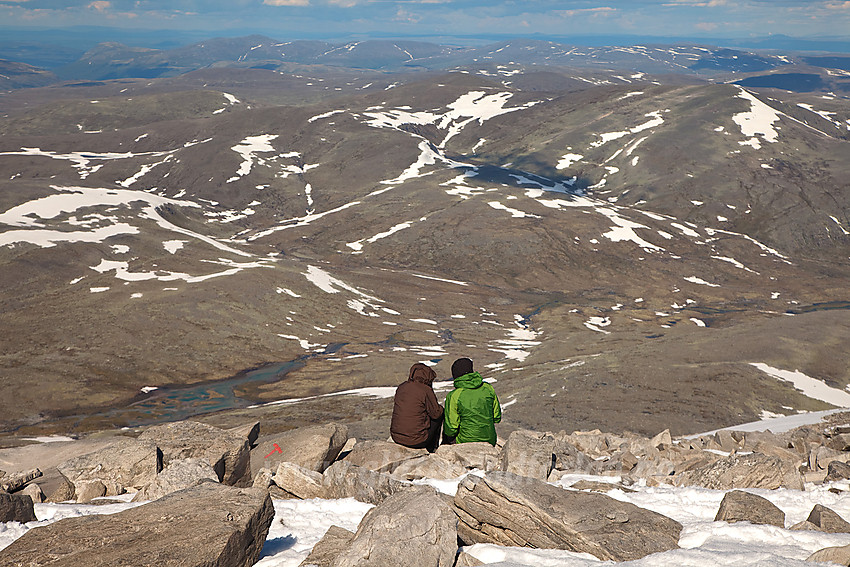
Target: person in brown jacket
<point>417,415</point>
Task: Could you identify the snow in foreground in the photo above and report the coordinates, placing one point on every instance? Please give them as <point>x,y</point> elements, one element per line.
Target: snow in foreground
<point>299,524</point>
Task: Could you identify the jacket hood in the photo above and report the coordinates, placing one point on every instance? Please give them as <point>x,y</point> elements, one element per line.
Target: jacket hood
<point>469,381</point>
<point>422,373</point>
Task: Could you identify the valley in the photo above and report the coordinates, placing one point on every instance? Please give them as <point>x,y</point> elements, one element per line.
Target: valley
<point>614,251</point>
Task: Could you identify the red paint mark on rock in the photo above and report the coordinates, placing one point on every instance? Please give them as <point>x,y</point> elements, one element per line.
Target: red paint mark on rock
<point>276,449</point>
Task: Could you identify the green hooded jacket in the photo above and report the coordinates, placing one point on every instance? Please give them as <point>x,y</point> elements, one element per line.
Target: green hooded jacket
<point>472,410</point>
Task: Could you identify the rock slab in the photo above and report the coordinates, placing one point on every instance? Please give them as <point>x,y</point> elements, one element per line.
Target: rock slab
<point>335,541</point>
<point>127,463</point>
<point>178,475</point>
<point>529,453</point>
<point>16,508</point>
<point>740,506</point>
<point>415,528</point>
<point>209,525</point>
<point>227,451</point>
<point>510,510</point>
<point>315,447</point>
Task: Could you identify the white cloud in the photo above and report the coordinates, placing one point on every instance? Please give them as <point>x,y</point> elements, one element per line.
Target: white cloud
<point>600,11</point>
<point>100,5</point>
<point>286,2</point>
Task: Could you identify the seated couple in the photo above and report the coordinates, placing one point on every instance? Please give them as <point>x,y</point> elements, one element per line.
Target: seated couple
<point>471,412</point>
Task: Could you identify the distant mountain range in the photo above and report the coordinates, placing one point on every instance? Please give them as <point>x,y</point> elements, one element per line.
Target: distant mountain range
<point>112,60</point>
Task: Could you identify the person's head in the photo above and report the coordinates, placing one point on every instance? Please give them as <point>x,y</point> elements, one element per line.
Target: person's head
<point>422,373</point>
<point>460,367</point>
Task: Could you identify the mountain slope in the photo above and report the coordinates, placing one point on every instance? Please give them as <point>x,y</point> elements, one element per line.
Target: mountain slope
<point>610,255</point>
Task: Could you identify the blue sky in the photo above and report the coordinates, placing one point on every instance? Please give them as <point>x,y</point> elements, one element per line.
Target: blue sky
<point>445,18</point>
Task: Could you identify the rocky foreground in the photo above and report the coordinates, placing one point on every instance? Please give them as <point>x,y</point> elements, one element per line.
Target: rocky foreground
<point>206,494</point>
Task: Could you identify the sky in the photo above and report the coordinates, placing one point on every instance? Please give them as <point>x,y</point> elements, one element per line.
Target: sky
<point>446,18</point>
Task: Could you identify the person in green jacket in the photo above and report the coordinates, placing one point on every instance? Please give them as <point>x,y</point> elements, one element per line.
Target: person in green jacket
<point>472,409</point>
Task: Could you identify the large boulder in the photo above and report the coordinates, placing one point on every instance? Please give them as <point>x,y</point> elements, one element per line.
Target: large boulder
<point>569,458</point>
<point>324,553</point>
<point>529,453</point>
<point>33,491</point>
<point>127,463</point>
<point>837,470</point>
<point>510,510</point>
<point>479,455</point>
<point>88,490</point>
<point>382,456</point>
<point>743,471</point>
<point>16,508</point>
<point>299,482</point>
<point>740,506</point>
<point>250,431</point>
<point>429,466</point>
<point>344,480</point>
<point>315,447</point>
<point>838,555</point>
<point>207,525</point>
<point>228,452</point>
<point>64,492</point>
<point>416,528</point>
<point>826,520</point>
<point>178,475</point>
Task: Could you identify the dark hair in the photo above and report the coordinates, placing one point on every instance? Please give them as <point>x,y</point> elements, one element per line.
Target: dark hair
<point>460,367</point>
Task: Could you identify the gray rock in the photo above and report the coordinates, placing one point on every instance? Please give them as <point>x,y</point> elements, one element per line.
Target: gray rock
<point>33,491</point>
<point>263,478</point>
<point>820,457</point>
<point>464,559</point>
<point>178,475</point>
<point>569,458</point>
<point>595,486</point>
<point>16,508</point>
<point>334,542</point>
<point>227,452</point>
<point>428,466</point>
<point>88,490</point>
<point>299,482</point>
<point>510,510</point>
<point>728,440</point>
<point>480,455</point>
<point>827,520</point>
<point>314,448</point>
<point>344,480</point>
<point>416,528</point>
<point>739,506</point>
<point>529,453</point>
<point>207,525</point>
<point>837,470</point>
<point>381,456</point>
<point>13,482</point>
<point>662,440</point>
<point>804,526</point>
<point>622,462</point>
<point>127,463</point>
<point>840,442</point>
<point>743,471</point>
<point>838,555</point>
<point>251,432</point>
<point>65,492</point>
<point>654,471</point>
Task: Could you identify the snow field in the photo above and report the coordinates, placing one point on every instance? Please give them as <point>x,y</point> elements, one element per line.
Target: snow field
<point>299,524</point>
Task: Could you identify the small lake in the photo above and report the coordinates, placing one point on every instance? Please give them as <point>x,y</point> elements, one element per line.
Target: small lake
<point>172,404</point>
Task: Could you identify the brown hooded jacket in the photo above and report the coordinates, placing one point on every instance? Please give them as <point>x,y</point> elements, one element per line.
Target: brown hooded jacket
<point>415,406</point>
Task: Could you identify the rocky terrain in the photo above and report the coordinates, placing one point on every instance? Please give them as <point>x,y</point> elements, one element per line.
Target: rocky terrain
<point>629,252</point>
<point>216,487</point>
